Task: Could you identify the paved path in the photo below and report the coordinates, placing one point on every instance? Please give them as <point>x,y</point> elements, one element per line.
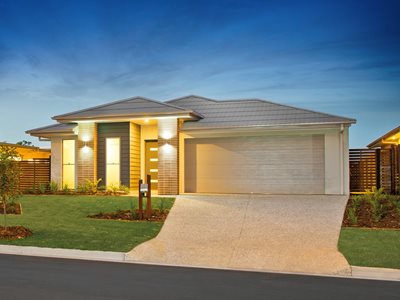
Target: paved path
<point>34,278</point>
<point>281,233</point>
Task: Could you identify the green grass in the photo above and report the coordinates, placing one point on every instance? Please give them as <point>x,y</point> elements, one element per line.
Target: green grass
<point>61,222</point>
<point>371,247</point>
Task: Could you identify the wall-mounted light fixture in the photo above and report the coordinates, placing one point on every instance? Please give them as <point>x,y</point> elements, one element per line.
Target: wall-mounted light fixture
<point>85,148</point>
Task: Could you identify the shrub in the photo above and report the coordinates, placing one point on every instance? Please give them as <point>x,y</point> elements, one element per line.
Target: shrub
<point>66,189</point>
<point>124,189</point>
<point>162,205</point>
<point>117,189</point>
<point>42,188</point>
<point>113,188</point>
<point>92,186</point>
<point>53,187</point>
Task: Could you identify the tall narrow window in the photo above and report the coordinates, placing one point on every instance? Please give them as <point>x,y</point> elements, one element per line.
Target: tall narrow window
<point>68,157</point>
<point>113,161</point>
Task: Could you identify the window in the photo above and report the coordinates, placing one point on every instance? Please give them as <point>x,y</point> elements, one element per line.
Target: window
<point>68,159</point>
<point>113,161</point>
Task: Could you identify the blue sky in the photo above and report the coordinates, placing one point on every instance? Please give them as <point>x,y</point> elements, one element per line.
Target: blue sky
<point>340,57</point>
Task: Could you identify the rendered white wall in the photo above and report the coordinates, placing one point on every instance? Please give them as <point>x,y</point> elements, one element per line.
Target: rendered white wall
<point>56,160</point>
<point>337,161</point>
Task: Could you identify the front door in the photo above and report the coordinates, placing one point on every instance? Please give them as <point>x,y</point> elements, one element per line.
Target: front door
<point>151,164</point>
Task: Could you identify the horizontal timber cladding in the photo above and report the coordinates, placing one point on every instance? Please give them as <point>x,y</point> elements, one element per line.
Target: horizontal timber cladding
<point>113,130</point>
<point>34,173</point>
<point>364,169</point>
<point>259,164</point>
<point>134,155</point>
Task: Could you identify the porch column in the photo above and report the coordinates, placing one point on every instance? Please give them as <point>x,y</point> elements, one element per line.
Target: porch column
<point>86,151</point>
<point>168,149</point>
<point>56,161</point>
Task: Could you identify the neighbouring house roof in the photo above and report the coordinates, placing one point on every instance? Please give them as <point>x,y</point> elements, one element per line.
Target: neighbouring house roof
<point>250,113</point>
<point>24,147</point>
<point>391,137</point>
<point>61,129</point>
<point>127,108</point>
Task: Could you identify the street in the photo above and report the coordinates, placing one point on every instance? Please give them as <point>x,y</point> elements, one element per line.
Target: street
<point>23,277</point>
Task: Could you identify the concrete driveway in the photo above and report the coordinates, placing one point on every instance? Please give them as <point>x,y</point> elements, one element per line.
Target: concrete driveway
<point>293,233</point>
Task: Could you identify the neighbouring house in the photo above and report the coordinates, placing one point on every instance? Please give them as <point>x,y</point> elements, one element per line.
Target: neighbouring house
<point>34,163</point>
<point>389,159</point>
<point>29,152</point>
<point>198,145</point>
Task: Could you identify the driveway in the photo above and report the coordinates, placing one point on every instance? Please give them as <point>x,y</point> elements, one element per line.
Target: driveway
<point>293,233</point>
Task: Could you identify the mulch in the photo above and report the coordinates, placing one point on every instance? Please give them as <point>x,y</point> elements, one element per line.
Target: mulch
<point>14,232</point>
<point>390,219</point>
<point>127,215</point>
<point>11,208</point>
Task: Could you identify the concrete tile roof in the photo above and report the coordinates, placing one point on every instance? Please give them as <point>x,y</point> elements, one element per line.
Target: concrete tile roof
<point>131,107</point>
<point>52,129</point>
<point>249,113</point>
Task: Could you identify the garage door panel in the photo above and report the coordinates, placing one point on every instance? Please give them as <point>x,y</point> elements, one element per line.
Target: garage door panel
<point>259,164</point>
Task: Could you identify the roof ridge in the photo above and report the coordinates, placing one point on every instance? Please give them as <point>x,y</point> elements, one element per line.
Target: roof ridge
<point>192,95</point>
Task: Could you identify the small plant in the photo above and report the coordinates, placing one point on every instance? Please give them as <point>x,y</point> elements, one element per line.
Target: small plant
<point>113,188</point>
<point>66,189</point>
<point>92,186</point>
<point>117,189</point>
<point>352,215</point>
<point>83,189</point>
<point>395,200</point>
<point>42,188</point>
<point>53,187</point>
<point>124,189</point>
<point>378,209</point>
<point>162,205</point>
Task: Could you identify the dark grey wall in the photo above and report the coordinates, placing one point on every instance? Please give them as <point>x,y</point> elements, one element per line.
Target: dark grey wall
<point>113,130</point>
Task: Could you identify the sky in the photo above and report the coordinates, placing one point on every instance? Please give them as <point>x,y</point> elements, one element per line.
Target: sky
<point>338,57</point>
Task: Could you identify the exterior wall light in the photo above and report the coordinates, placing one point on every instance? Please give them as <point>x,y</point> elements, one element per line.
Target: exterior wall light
<point>85,148</point>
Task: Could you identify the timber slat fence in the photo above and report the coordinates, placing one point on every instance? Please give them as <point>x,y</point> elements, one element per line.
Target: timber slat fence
<point>364,169</point>
<point>34,173</point>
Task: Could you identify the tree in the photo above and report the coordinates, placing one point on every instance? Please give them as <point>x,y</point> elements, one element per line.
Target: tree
<point>24,143</point>
<point>9,177</point>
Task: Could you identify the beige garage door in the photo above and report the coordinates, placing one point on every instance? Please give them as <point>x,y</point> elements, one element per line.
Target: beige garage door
<point>258,164</point>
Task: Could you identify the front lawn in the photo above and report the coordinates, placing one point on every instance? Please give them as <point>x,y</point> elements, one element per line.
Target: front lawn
<point>371,247</point>
<point>61,222</point>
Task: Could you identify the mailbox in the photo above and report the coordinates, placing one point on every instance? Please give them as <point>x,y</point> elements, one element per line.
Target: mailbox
<point>144,188</point>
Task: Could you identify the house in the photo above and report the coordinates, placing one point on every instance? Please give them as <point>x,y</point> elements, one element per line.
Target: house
<point>29,152</point>
<point>199,145</point>
<point>389,160</point>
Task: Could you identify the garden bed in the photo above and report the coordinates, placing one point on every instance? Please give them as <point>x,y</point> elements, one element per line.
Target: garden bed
<point>373,210</point>
<point>127,215</point>
<point>14,232</point>
<point>11,208</point>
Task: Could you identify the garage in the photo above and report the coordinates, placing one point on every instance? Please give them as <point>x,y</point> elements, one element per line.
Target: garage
<point>255,164</point>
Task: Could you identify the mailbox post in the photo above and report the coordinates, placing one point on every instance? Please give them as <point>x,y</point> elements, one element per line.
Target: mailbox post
<point>145,191</point>
<point>148,196</point>
<point>140,200</point>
